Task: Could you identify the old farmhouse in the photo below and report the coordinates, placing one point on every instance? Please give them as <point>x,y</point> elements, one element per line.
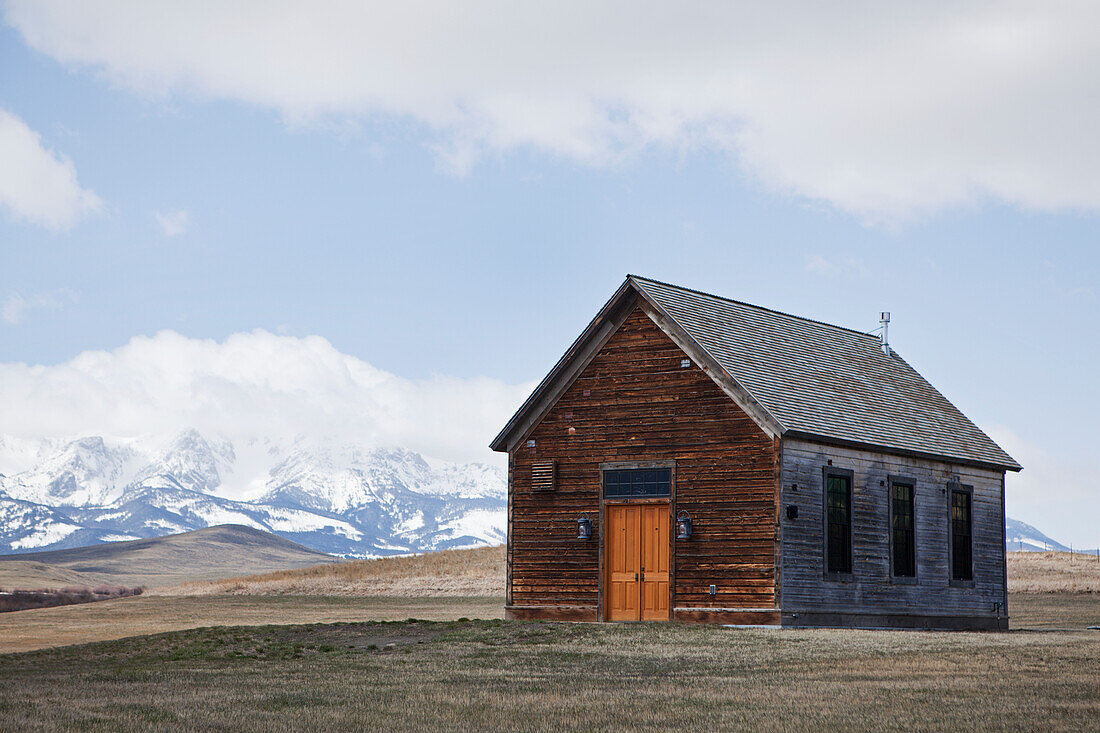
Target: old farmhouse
<point>695,458</point>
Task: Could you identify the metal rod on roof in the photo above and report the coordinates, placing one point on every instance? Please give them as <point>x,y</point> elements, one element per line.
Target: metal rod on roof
<point>884,319</point>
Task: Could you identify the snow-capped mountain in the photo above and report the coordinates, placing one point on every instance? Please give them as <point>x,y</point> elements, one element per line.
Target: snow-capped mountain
<point>84,471</point>
<point>342,499</point>
<point>1022,536</point>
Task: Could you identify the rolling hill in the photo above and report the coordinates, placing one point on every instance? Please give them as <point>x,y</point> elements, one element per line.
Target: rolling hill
<point>479,571</point>
<point>205,554</point>
<point>21,574</point>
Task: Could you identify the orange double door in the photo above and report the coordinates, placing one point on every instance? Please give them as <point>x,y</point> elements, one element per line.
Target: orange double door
<point>636,559</point>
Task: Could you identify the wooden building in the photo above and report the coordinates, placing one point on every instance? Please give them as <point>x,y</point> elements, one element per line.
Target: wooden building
<point>694,458</point>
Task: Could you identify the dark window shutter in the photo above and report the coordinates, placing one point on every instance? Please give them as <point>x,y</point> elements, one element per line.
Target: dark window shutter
<point>544,476</point>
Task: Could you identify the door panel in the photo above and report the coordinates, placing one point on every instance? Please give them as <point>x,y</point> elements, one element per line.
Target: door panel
<point>623,564</point>
<point>637,561</point>
<point>655,562</point>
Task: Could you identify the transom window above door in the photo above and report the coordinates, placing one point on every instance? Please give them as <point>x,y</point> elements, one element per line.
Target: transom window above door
<point>637,482</point>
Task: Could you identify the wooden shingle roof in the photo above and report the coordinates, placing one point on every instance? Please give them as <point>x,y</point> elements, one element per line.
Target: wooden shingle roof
<point>795,376</point>
<point>824,380</point>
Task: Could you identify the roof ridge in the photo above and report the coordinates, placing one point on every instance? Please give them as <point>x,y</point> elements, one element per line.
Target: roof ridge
<point>751,305</point>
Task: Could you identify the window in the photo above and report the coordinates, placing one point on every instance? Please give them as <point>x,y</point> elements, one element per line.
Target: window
<point>838,521</point>
<point>637,482</point>
<point>901,532</point>
<point>961,530</point>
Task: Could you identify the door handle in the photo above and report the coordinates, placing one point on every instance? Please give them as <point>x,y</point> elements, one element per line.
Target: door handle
<point>643,575</point>
<point>635,577</point>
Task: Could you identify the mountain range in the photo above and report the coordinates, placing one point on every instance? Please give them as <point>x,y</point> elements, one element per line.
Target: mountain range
<point>345,500</point>
<point>341,499</point>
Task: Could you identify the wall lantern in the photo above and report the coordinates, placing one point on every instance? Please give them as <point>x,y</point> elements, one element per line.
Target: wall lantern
<point>584,527</point>
<point>792,511</point>
<point>683,525</point>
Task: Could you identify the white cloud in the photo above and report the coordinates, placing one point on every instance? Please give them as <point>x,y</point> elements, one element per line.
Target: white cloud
<point>38,185</point>
<point>15,307</point>
<point>883,109</point>
<point>846,266</point>
<point>819,265</point>
<point>253,385</point>
<point>172,223</point>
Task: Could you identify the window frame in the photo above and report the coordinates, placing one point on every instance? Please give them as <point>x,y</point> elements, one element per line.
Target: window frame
<point>891,482</point>
<point>828,472</point>
<point>968,490</point>
<point>638,466</point>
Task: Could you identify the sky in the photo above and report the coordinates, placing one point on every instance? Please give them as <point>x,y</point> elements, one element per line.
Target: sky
<point>390,222</point>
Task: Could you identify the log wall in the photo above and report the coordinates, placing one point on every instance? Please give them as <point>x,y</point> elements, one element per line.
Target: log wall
<point>635,402</point>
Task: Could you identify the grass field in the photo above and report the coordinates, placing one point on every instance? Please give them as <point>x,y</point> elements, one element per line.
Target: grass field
<point>37,629</point>
<point>35,575</point>
<point>473,572</point>
<point>492,675</point>
<point>1053,572</point>
<point>273,652</point>
<point>89,622</point>
<point>332,645</point>
<point>1053,610</point>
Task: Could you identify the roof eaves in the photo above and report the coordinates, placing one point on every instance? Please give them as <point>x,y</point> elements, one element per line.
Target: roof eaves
<point>1011,465</point>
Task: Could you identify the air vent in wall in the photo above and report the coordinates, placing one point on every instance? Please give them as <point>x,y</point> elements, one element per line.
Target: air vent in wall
<point>544,476</point>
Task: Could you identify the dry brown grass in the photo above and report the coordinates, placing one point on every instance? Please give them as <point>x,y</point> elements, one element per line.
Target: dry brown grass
<point>1053,572</point>
<point>33,574</point>
<point>1053,610</point>
<point>492,676</point>
<point>477,572</point>
<point>125,617</point>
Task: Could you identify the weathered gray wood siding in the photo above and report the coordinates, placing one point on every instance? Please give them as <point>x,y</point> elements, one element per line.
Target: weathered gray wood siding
<point>872,588</point>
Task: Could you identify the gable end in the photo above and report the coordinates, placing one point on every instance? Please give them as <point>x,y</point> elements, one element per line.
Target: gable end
<point>588,345</point>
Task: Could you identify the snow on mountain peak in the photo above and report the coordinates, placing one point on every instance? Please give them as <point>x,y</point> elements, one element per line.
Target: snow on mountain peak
<point>191,461</point>
<point>80,472</point>
<point>342,478</point>
<point>343,498</point>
